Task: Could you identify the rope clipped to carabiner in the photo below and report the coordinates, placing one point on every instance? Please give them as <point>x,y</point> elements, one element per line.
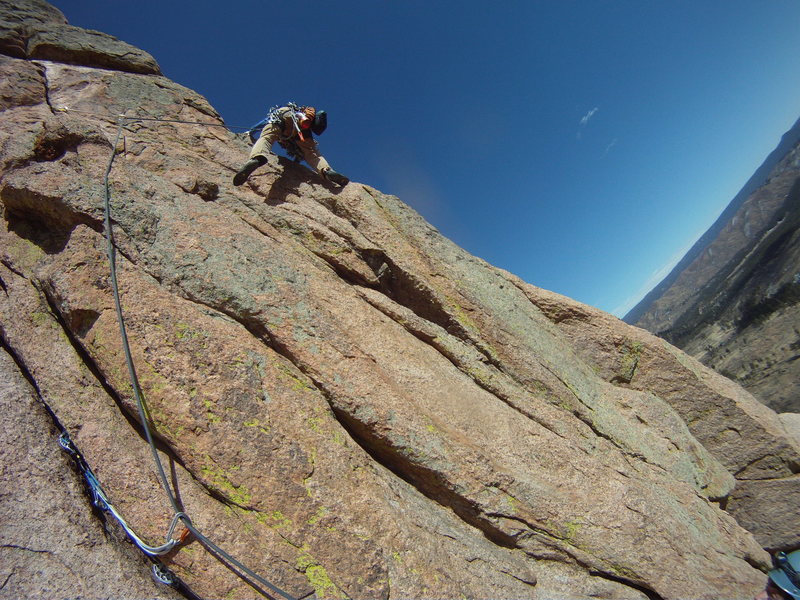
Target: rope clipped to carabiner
<point>99,497</point>
<point>101,501</point>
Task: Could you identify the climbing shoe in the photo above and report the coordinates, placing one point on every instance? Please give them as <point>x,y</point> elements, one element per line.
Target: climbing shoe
<point>334,177</point>
<point>250,166</point>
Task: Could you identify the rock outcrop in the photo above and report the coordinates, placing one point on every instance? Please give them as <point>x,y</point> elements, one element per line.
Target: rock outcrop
<point>52,545</point>
<point>734,301</point>
<point>344,400</point>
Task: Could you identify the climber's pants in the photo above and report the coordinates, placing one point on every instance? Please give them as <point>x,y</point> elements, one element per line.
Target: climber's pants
<point>271,134</point>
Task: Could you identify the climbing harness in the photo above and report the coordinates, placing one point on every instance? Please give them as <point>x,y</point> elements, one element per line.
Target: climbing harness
<point>275,115</point>
<point>100,499</point>
<point>299,131</point>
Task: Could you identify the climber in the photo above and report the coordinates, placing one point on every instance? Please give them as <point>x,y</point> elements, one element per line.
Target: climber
<point>293,127</point>
<point>784,579</point>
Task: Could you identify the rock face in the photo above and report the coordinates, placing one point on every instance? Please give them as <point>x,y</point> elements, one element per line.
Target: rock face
<point>58,550</point>
<point>734,301</point>
<point>34,30</point>
<point>343,400</point>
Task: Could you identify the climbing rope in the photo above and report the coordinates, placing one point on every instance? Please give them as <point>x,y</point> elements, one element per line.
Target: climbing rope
<point>123,117</point>
<point>100,498</point>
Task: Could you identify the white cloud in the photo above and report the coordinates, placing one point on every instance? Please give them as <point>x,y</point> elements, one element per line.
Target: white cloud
<point>610,146</point>
<point>585,120</point>
<point>589,115</point>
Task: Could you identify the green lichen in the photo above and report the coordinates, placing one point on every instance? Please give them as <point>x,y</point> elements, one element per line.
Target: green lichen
<point>219,480</point>
<point>570,529</point>
<point>461,316</point>
<point>481,376</point>
<point>24,254</point>
<point>312,459</point>
<point>314,424</point>
<point>512,503</point>
<point>315,518</point>
<point>41,319</point>
<point>317,576</point>
<point>624,572</point>
<point>164,424</point>
<point>153,383</point>
<point>274,520</point>
<point>266,429</point>
<point>184,331</point>
<point>631,353</point>
<point>211,415</point>
<point>414,454</point>
<point>231,593</point>
<point>296,383</point>
<point>319,423</point>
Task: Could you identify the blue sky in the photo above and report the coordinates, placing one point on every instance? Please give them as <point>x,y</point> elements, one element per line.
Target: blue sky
<point>583,145</point>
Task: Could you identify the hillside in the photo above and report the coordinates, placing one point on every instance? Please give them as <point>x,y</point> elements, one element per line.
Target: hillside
<point>343,401</point>
<point>732,301</point>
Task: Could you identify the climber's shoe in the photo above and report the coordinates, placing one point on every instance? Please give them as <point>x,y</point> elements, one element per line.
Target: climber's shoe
<point>334,177</point>
<point>248,167</point>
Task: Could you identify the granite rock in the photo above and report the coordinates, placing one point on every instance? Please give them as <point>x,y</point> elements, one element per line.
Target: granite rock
<point>344,400</point>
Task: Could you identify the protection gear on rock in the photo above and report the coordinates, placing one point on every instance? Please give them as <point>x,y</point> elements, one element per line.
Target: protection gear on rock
<point>786,575</point>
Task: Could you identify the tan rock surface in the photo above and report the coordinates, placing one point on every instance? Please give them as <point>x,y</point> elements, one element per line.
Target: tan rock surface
<point>347,402</point>
<point>792,423</point>
<point>51,546</point>
<point>758,446</point>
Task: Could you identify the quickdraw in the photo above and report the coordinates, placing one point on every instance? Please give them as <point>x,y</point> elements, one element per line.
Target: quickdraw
<point>101,501</point>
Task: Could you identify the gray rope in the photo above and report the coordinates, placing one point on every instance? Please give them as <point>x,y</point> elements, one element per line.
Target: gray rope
<point>123,117</point>
<point>111,250</point>
<point>137,392</point>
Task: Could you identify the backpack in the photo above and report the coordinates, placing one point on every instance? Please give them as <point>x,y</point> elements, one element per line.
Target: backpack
<point>319,125</point>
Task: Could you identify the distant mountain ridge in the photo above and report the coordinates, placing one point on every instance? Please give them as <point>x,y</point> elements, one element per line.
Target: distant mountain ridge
<point>789,140</point>
<point>732,300</point>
